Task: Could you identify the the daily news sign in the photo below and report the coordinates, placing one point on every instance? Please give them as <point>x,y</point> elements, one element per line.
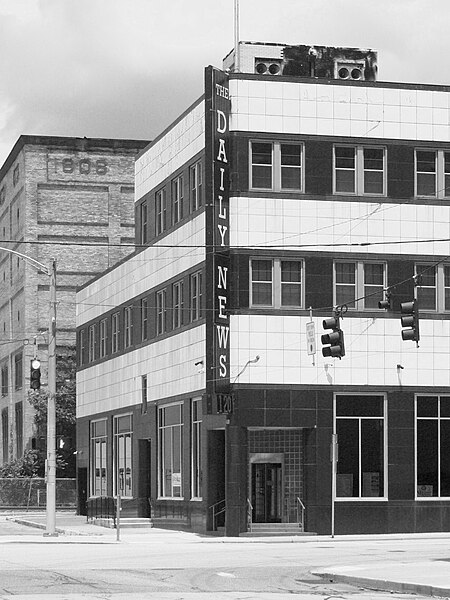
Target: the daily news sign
<point>218,107</point>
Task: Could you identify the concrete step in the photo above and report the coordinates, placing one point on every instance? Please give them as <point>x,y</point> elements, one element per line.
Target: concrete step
<point>275,529</point>
<point>135,523</point>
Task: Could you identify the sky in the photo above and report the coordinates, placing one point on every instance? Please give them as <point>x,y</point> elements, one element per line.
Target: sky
<point>128,68</point>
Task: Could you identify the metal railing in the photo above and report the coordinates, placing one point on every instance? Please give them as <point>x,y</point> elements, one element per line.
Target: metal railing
<point>300,514</point>
<point>217,509</point>
<point>249,515</point>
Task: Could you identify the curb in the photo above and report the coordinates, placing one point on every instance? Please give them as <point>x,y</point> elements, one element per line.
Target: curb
<point>385,585</point>
<point>57,529</point>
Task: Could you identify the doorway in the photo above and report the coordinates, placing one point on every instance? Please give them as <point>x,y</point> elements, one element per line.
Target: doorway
<point>266,492</point>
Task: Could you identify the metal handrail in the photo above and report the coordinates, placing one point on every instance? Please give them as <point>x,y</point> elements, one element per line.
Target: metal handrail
<point>300,514</point>
<point>217,509</point>
<point>249,515</point>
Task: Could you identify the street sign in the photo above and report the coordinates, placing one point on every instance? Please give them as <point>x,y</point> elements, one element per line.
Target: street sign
<point>311,337</point>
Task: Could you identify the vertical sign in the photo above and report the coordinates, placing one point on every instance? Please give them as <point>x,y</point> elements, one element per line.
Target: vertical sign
<point>217,161</point>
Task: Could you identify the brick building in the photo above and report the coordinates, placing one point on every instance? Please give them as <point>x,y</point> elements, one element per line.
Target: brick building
<point>296,189</point>
<point>57,195</point>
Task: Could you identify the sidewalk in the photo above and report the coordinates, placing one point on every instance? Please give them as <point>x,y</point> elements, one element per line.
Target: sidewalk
<point>428,577</point>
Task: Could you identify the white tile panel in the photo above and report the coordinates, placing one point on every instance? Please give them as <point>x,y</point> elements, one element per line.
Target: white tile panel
<point>363,111</point>
<point>183,141</point>
<point>308,224</point>
<point>168,364</point>
<point>144,271</point>
<point>374,348</point>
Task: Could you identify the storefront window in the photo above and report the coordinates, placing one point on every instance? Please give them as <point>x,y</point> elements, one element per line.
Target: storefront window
<point>123,435</point>
<point>98,458</point>
<point>433,446</point>
<point>170,425</point>
<point>196,448</point>
<point>360,426</point>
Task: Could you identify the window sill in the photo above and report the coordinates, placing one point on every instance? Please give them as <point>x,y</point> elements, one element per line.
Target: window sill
<point>432,499</point>
<point>177,498</point>
<point>365,499</point>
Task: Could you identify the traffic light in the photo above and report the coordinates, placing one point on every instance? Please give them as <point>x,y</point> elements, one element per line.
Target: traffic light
<point>386,303</point>
<point>35,374</point>
<point>334,341</point>
<point>410,319</point>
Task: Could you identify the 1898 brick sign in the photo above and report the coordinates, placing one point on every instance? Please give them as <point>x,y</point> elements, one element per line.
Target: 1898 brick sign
<point>77,165</point>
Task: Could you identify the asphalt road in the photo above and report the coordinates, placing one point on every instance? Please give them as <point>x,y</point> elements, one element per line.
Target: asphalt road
<point>169,568</point>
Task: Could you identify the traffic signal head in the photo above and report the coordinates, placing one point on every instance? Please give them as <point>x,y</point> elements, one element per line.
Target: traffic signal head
<point>410,320</point>
<point>386,303</point>
<point>35,374</point>
<point>334,341</point>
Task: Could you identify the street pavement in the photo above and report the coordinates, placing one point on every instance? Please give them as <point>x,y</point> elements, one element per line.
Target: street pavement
<point>418,563</point>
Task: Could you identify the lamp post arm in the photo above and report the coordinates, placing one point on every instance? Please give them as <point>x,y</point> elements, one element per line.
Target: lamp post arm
<point>30,260</point>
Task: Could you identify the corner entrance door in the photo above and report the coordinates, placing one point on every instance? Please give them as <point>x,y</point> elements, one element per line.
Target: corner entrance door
<point>266,492</point>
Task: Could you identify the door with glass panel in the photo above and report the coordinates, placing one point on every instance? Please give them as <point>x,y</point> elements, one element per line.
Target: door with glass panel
<point>266,492</point>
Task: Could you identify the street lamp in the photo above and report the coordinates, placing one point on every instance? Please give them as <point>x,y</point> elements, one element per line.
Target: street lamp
<point>51,407</point>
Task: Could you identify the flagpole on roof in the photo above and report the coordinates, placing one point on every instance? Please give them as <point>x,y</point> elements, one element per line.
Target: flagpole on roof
<point>236,36</point>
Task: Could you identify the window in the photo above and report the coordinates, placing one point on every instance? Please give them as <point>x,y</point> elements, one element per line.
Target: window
<point>144,319</point>
<point>359,285</point>
<point>433,446</point>
<point>82,345</point>
<point>276,166</point>
<point>360,170</point>
<point>92,334</point>
<point>432,169</point>
<point>123,435</point>
<point>18,409</point>
<point>16,174</point>
<point>5,435</point>
<point>18,371</point>
<point>161,312</point>
<point>177,199</point>
<point>5,382</point>
<point>98,458</point>
<point>170,429</point>
<point>196,296</point>
<point>196,448</point>
<point>2,195</point>
<point>360,426</point>
<point>177,304</point>
<point>143,222</point>
<point>144,395</point>
<point>115,332</point>
<point>433,289</point>
<point>276,283</point>
<point>161,211</point>
<point>127,325</point>
<point>103,338</point>
<point>196,183</point>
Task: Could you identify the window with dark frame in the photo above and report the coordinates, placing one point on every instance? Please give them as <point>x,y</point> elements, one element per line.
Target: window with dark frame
<point>127,326</point>
<point>115,330</point>
<point>144,395</point>
<point>360,426</point>
<point>196,296</point>
<point>177,304</point>
<point>5,380</point>
<point>18,371</point>
<point>177,199</point>
<point>144,318</point>
<point>144,222</point>
<point>92,334</point>
<point>359,285</point>
<point>160,211</point>
<point>432,446</point>
<point>103,338</point>
<point>196,448</point>
<point>196,186</point>
<point>360,170</point>
<point>276,166</point>
<point>18,410</point>
<point>276,283</point>
<point>161,311</point>
<point>170,451</point>
<point>82,345</point>
<point>123,455</point>
<point>99,472</point>
<point>5,434</point>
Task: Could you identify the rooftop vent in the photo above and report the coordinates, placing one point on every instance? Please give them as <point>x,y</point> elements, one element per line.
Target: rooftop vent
<point>267,66</point>
<point>349,70</point>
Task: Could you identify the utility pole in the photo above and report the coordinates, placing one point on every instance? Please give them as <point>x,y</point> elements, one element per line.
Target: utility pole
<point>51,409</point>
